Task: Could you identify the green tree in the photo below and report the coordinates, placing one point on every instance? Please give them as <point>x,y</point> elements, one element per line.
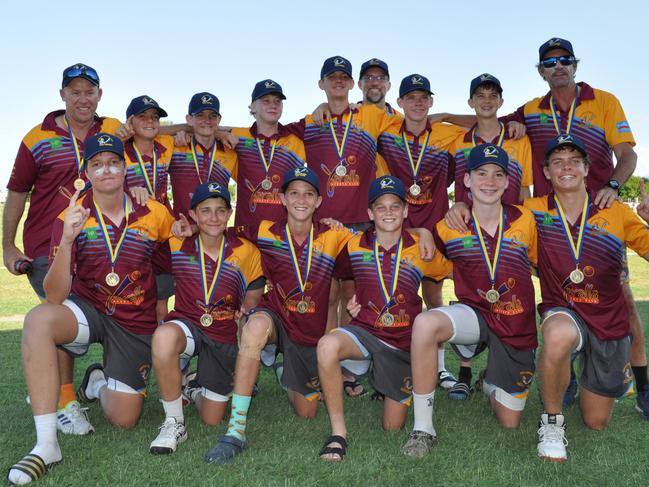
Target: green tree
<point>631,189</point>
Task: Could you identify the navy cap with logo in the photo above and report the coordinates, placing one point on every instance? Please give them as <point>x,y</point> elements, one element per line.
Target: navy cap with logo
<point>267,87</point>
<point>483,79</point>
<point>141,104</point>
<point>102,142</point>
<point>414,82</point>
<point>80,70</point>
<point>564,140</point>
<point>374,63</point>
<point>206,191</point>
<point>301,174</point>
<point>336,63</point>
<point>386,185</point>
<point>555,43</point>
<point>484,154</point>
<point>203,101</point>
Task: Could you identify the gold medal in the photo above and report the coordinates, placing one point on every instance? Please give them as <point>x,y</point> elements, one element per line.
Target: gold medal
<point>415,189</point>
<point>493,296</point>
<point>577,276</point>
<point>341,170</point>
<point>206,319</point>
<point>266,184</point>
<point>79,184</point>
<point>302,307</point>
<point>387,319</point>
<point>112,279</point>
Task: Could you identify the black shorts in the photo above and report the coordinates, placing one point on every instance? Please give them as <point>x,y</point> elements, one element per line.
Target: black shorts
<point>165,286</point>
<point>36,276</point>
<point>127,356</point>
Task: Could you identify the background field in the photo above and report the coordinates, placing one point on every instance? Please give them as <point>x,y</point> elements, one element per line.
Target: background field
<point>473,449</point>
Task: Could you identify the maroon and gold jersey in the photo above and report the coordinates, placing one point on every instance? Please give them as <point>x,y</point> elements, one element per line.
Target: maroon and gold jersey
<point>163,146</point>
<point>435,171</point>
<point>46,166</point>
<point>131,303</point>
<point>284,293</point>
<point>598,299</point>
<point>599,122</point>
<point>512,318</point>
<point>241,266</point>
<point>406,303</point>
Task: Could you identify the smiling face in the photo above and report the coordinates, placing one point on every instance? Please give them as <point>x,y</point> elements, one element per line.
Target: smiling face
<point>81,98</point>
<point>487,183</point>
<point>301,200</point>
<point>416,105</point>
<point>267,108</point>
<point>388,213</point>
<point>204,123</point>
<point>211,216</point>
<point>106,172</point>
<point>336,85</point>
<point>374,90</point>
<point>566,168</point>
<point>559,76</point>
<point>146,125</point>
<point>486,101</point>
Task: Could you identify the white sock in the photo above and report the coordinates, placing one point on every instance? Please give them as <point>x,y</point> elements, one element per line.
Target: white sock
<point>47,446</point>
<point>440,359</point>
<point>96,381</point>
<point>174,409</point>
<point>423,408</point>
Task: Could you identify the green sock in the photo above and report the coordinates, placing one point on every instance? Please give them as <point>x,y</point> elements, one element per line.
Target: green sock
<point>237,424</point>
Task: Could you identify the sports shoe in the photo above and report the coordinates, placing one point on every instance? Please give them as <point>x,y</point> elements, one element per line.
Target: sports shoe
<point>172,433</point>
<point>570,395</point>
<point>642,402</point>
<point>73,420</point>
<point>459,392</point>
<point>81,391</point>
<point>445,379</point>
<point>419,444</point>
<point>189,388</point>
<point>225,450</point>
<point>552,438</point>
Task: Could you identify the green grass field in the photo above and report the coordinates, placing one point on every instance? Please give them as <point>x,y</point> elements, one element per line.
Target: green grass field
<point>473,449</point>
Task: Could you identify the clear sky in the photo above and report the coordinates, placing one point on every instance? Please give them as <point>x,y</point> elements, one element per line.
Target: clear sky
<point>171,50</point>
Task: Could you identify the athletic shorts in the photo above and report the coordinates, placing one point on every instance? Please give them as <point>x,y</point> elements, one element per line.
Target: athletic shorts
<point>216,360</point>
<point>165,286</point>
<point>127,356</point>
<point>300,361</point>
<point>341,273</point>
<point>605,365</point>
<point>37,275</point>
<point>509,369</point>
<point>390,373</point>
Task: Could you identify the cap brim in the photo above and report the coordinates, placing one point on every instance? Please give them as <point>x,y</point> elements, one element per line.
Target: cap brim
<point>278,93</point>
<point>402,197</point>
<point>207,197</point>
<point>324,75</point>
<point>286,183</point>
<point>202,109</point>
<point>402,94</point>
<point>67,80</point>
<point>581,150</point>
<point>161,112</point>
<point>114,151</point>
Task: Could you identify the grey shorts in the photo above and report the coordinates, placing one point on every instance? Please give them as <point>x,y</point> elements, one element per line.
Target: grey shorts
<point>165,286</point>
<point>37,275</point>
<point>604,364</point>
<point>127,356</point>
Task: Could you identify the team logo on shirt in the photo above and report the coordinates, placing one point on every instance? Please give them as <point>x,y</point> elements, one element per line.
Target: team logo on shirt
<point>127,292</point>
<point>105,140</point>
<point>207,100</point>
<point>417,80</point>
<point>491,151</point>
<point>339,63</point>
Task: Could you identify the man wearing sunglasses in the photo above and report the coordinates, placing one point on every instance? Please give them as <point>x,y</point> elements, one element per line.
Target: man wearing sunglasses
<point>50,165</point>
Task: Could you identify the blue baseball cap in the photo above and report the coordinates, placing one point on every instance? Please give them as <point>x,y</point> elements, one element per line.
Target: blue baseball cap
<point>386,185</point>
<point>204,101</point>
<point>209,190</point>
<point>555,43</point>
<point>301,174</point>
<point>414,82</point>
<point>79,70</point>
<point>142,104</point>
<point>267,87</point>
<point>336,63</point>
<point>374,63</point>
<point>565,140</point>
<point>484,154</point>
<point>484,79</point>
<point>102,142</point>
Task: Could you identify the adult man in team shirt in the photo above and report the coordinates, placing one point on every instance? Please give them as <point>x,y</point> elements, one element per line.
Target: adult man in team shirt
<point>48,167</point>
<point>110,299</point>
<point>582,250</point>
<point>217,275</point>
<point>491,273</point>
<point>374,83</point>
<point>385,263</point>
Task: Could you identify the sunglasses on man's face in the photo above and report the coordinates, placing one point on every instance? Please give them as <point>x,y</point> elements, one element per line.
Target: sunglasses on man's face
<point>551,62</point>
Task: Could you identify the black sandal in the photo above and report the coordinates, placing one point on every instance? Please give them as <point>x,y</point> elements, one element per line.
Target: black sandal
<point>352,385</point>
<point>341,450</point>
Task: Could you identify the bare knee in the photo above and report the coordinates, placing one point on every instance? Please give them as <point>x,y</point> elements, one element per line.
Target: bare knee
<point>165,342</point>
<point>125,421</point>
<point>596,423</point>
<point>392,424</point>
<point>427,330</point>
<point>328,349</point>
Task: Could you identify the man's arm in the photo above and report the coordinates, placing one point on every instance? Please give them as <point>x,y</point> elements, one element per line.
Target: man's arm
<point>466,121</point>
<point>627,160</point>
<point>13,212</point>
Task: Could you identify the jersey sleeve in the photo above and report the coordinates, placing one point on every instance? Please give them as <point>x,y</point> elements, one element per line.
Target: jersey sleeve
<point>249,232</point>
<point>616,125</point>
<point>165,221</point>
<point>517,116</point>
<point>532,235</point>
<point>24,171</point>
<point>438,268</point>
<point>381,166</point>
<point>110,125</point>
<point>343,264</point>
<point>636,232</point>
<point>376,121</point>
<point>297,128</point>
<point>525,161</point>
<point>252,269</point>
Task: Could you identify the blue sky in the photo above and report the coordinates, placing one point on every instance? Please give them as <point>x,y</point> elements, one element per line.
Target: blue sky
<point>170,50</point>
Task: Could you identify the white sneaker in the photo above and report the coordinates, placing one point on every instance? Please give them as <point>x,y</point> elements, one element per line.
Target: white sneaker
<point>172,433</point>
<point>552,438</point>
<point>189,388</point>
<point>73,420</point>
<point>445,379</point>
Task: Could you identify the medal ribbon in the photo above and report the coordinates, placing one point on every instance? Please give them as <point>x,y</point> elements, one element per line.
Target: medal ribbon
<point>576,249</point>
<point>294,260</point>
<point>492,267</point>
<point>260,149</point>
<point>501,137</point>
<point>150,185</point>
<point>340,147</point>
<point>571,113</point>
<point>209,292</point>
<point>395,275</point>
<point>212,158</point>
<point>413,166</point>
<point>77,154</point>
<point>112,252</point>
